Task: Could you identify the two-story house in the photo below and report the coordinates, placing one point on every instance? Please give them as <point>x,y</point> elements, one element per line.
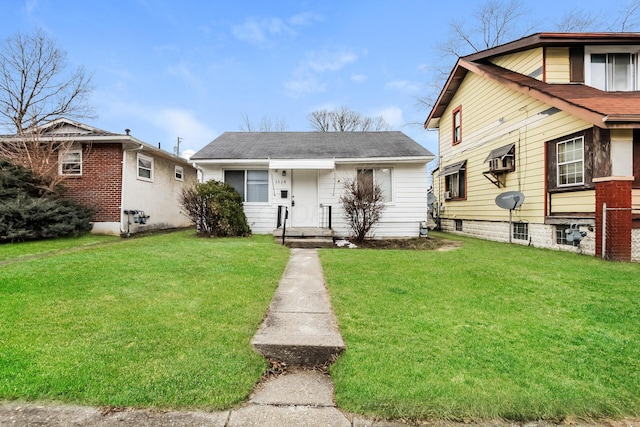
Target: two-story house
<point>556,117</point>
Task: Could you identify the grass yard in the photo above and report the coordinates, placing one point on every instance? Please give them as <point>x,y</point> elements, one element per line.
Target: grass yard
<point>39,247</point>
<point>160,321</point>
<point>486,331</point>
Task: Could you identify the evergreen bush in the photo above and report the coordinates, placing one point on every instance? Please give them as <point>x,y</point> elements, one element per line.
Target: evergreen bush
<point>28,211</point>
<point>216,209</point>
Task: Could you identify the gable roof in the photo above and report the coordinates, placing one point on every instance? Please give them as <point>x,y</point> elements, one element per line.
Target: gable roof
<point>64,129</point>
<point>313,145</point>
<point>603,109</point>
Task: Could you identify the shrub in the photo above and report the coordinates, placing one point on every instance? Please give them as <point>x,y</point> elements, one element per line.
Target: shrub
<point>363,204</point>
<point>28,211</point>
<point>216,209</point>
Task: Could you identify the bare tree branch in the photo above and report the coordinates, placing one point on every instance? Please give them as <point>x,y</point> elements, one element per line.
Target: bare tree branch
<point>345,120</point>
<point>266,125</point>
<point>35,87</point>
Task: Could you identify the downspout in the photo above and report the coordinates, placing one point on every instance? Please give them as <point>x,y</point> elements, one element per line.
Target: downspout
<point>122,186</point>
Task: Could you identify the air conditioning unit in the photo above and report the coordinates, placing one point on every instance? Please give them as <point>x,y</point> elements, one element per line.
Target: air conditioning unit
<point>498,165</point>
<point>447,195</point>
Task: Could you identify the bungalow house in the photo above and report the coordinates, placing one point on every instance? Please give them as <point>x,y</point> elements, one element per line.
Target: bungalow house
<point>131,185</point>
<point>305,173</point>
<point>555,117</point>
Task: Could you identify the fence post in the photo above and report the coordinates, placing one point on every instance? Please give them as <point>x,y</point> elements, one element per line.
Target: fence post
<point>604,230</point>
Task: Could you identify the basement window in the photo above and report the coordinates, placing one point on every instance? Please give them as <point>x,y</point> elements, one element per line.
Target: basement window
<point>521,230</point>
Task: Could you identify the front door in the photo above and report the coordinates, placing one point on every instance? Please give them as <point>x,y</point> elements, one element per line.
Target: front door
<point>304,198</point>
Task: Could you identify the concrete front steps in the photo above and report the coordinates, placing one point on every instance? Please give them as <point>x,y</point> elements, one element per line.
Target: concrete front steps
<point>300,328</point>
<point>305,237</point>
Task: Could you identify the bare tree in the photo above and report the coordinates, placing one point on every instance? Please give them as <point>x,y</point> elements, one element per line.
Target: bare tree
<point>345,120</point>
<point>578,20</point>
<point>363,204</point>
<point>35,85</point>
<point>266,125</point>
<point>35,90</point>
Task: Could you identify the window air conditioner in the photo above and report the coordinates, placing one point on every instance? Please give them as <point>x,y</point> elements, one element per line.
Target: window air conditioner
<point>447,195</point>
<point>497,165</point>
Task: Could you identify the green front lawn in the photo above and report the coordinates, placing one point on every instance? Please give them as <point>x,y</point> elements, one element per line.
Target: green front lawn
<point>163,321</point>
<point>488,330</point>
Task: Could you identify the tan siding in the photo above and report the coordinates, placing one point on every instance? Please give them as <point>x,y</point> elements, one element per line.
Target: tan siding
<point>528,62</point>
<point>635,200</point>
<point>512,118</point>
<point>557,65</point>
<point>580,201</point>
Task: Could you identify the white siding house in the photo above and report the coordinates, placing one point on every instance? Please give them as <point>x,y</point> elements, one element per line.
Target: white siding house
<point>306,171</point>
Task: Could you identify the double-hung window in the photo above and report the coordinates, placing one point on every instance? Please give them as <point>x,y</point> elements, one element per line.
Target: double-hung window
<point>612,69</point>
<point>570,156</point>
<point>70,162</point>
<point>382,177</point>
<point>178,173</point>
<point>457,125</point>
<point>253,185</point>
<point>455,181</point>
<point>145,167</point>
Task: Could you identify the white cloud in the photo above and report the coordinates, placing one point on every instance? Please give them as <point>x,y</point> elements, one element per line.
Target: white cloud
<point>182,123</point>
<point>329,60</point>
<point>258,31</point>
<point>392,115</point>
<point>405,86</point>
<point>305,18</point>
<point>304,85</point>
<point>358,78</point>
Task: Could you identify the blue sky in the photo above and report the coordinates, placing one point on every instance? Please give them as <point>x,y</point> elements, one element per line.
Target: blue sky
<point>194,69</point>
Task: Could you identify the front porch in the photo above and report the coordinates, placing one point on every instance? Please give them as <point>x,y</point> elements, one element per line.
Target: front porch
<point>305,237</point>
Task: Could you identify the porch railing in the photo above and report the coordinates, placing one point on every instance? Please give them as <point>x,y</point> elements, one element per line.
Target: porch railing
<point>326,217</point>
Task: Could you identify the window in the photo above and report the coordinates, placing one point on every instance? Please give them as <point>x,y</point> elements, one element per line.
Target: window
<point>561,236</point>
<point>455,181</point>
<point>382,178</point>
<point>253,185</point>
<point>70,162</point>
<point>612,68</point>
<point>458,223</point>
<point>457,125</point>
<point>521,230</point>
<point>145,167</point>
<point>179,173</point>
<point>570,162</point>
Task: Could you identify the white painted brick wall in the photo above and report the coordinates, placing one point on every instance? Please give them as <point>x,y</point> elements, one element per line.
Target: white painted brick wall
<point>635,245</point>
<point>540,235</point>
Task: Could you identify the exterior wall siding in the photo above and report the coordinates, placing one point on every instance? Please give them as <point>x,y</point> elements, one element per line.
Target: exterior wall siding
<point>528,62</point>
<point>401,217</point>
<point>557,68</point>
<point>158,198</point>
<point>513,119</point>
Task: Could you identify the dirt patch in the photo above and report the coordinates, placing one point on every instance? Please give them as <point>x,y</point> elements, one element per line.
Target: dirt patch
<point>417,243</point>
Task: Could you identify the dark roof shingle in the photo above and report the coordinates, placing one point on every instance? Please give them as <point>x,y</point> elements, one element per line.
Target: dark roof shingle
<point>311,145</point>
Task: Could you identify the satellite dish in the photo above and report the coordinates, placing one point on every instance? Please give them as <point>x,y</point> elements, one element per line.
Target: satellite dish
<point>510,199</point>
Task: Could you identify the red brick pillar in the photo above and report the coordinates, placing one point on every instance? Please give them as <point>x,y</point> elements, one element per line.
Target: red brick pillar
<point>616,193</point>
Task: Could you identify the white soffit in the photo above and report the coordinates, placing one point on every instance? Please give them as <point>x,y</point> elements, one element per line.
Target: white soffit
<point>302,164</point>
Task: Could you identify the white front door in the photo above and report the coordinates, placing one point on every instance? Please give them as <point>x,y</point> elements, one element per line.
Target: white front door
<point>304,198</point>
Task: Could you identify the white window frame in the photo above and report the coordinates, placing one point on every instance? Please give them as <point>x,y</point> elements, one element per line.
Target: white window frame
<point>139,157</point>
<point>247,184</point>
<point>62,160</point>
<point>633,50</point>
<point>569,162</point>
<point>388,198</point>
<point>178,173</point>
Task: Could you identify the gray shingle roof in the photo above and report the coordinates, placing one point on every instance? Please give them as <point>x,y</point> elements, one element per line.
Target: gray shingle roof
<point>310,145</point>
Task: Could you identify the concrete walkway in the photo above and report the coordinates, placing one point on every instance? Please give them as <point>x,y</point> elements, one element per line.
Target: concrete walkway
<point>299,329</point>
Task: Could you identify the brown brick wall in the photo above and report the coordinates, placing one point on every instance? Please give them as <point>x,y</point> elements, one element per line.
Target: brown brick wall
<point>617,195</point>
<point>100,186</point>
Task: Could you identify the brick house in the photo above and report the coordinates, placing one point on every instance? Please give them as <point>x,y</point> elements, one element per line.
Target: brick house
<point>556,117</point>
<point>131,185</point>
